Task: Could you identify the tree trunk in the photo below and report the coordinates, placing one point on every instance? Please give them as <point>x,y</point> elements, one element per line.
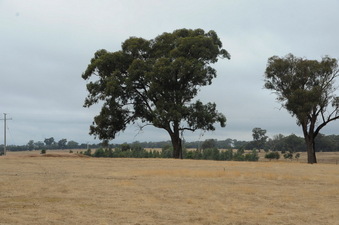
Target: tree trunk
<point>177,147</point>
<point>311,158</point>
<point>309,136</point>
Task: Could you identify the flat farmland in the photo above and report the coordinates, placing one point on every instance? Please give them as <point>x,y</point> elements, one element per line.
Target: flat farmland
<point>63,188</point>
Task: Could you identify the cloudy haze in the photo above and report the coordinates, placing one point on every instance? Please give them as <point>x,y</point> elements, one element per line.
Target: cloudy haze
<point>46,46</point>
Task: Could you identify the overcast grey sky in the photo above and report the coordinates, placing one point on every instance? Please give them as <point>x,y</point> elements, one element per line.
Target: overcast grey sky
<point>45,46</point>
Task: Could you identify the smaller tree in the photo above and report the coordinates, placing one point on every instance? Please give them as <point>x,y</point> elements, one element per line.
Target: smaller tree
<point>30,145</point>
<point>307,89</point>
<point>49,141</point>
<point>62,143</point>
<point>72,144</point>
<point>259,137</point>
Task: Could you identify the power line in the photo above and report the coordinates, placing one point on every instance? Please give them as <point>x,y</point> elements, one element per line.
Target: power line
<point>5,119</point>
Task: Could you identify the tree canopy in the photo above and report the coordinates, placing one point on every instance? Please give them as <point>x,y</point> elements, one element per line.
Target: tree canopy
<point>154,81</point>
<point>306,88</point>
<point>49,141</point>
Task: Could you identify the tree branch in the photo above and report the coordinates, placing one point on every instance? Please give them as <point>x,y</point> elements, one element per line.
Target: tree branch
<point>324,124</point>
<point>188,128</point>
<point>144,98</point>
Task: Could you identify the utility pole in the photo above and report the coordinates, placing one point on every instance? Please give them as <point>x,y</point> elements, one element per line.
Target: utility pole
<point>5,119</point>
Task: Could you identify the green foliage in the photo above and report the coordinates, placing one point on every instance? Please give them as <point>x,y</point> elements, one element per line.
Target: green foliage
<point>272,155</point>
<point>88,152</point>
<point>209,143</point>
<point>293,143</point>
<point>290,143</point>
<point>125,147</point>
<point>211,154</point>
<point>99,153</point>
<point>134,152</point>
<point>328,143</point>
<point>155,81</point>
<point>238,157</point>
<point>43,151</point>
<point>253,156</point>
<point>167,151</point>
<point>226,155</point>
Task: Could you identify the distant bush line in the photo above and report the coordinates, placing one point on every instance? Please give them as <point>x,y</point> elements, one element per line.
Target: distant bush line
<point>166,152</point>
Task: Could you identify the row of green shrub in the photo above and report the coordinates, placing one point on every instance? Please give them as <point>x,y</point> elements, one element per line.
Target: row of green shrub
<point>166,152</point>
<point>276,155</point>
<point>216,154</point>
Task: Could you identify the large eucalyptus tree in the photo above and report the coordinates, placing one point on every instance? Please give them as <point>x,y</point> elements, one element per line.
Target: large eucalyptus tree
<point>155,81</point>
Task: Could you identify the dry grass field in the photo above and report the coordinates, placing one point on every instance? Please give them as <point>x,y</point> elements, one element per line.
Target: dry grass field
<point>63,188</point>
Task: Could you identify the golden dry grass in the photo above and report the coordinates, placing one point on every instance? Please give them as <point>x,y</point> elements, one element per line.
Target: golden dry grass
<point>81,190</point>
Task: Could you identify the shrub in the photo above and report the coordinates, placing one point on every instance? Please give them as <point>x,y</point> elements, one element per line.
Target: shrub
<point>109,152</point>
<point>99,153</point>
<point>138,152</point>
<point>253,156</point>
<point>167,152</point>
<point>226,155</point>
<point>88,152</point>
<point>197,154</point>
<point>156,154</point>
<point>211,153</point>
<point>229,154</point>
<point>43,151</point>
<point>238,156</point>
<point>189,155</point>
<point>297,156</point>
<point>272,155</point>
<point>125,147</point>
<point>288,155</point>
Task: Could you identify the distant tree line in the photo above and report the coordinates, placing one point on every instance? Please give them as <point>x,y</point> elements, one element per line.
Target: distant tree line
<point>293,143</point>
<point>279,142</point>
<point>51,144</point>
